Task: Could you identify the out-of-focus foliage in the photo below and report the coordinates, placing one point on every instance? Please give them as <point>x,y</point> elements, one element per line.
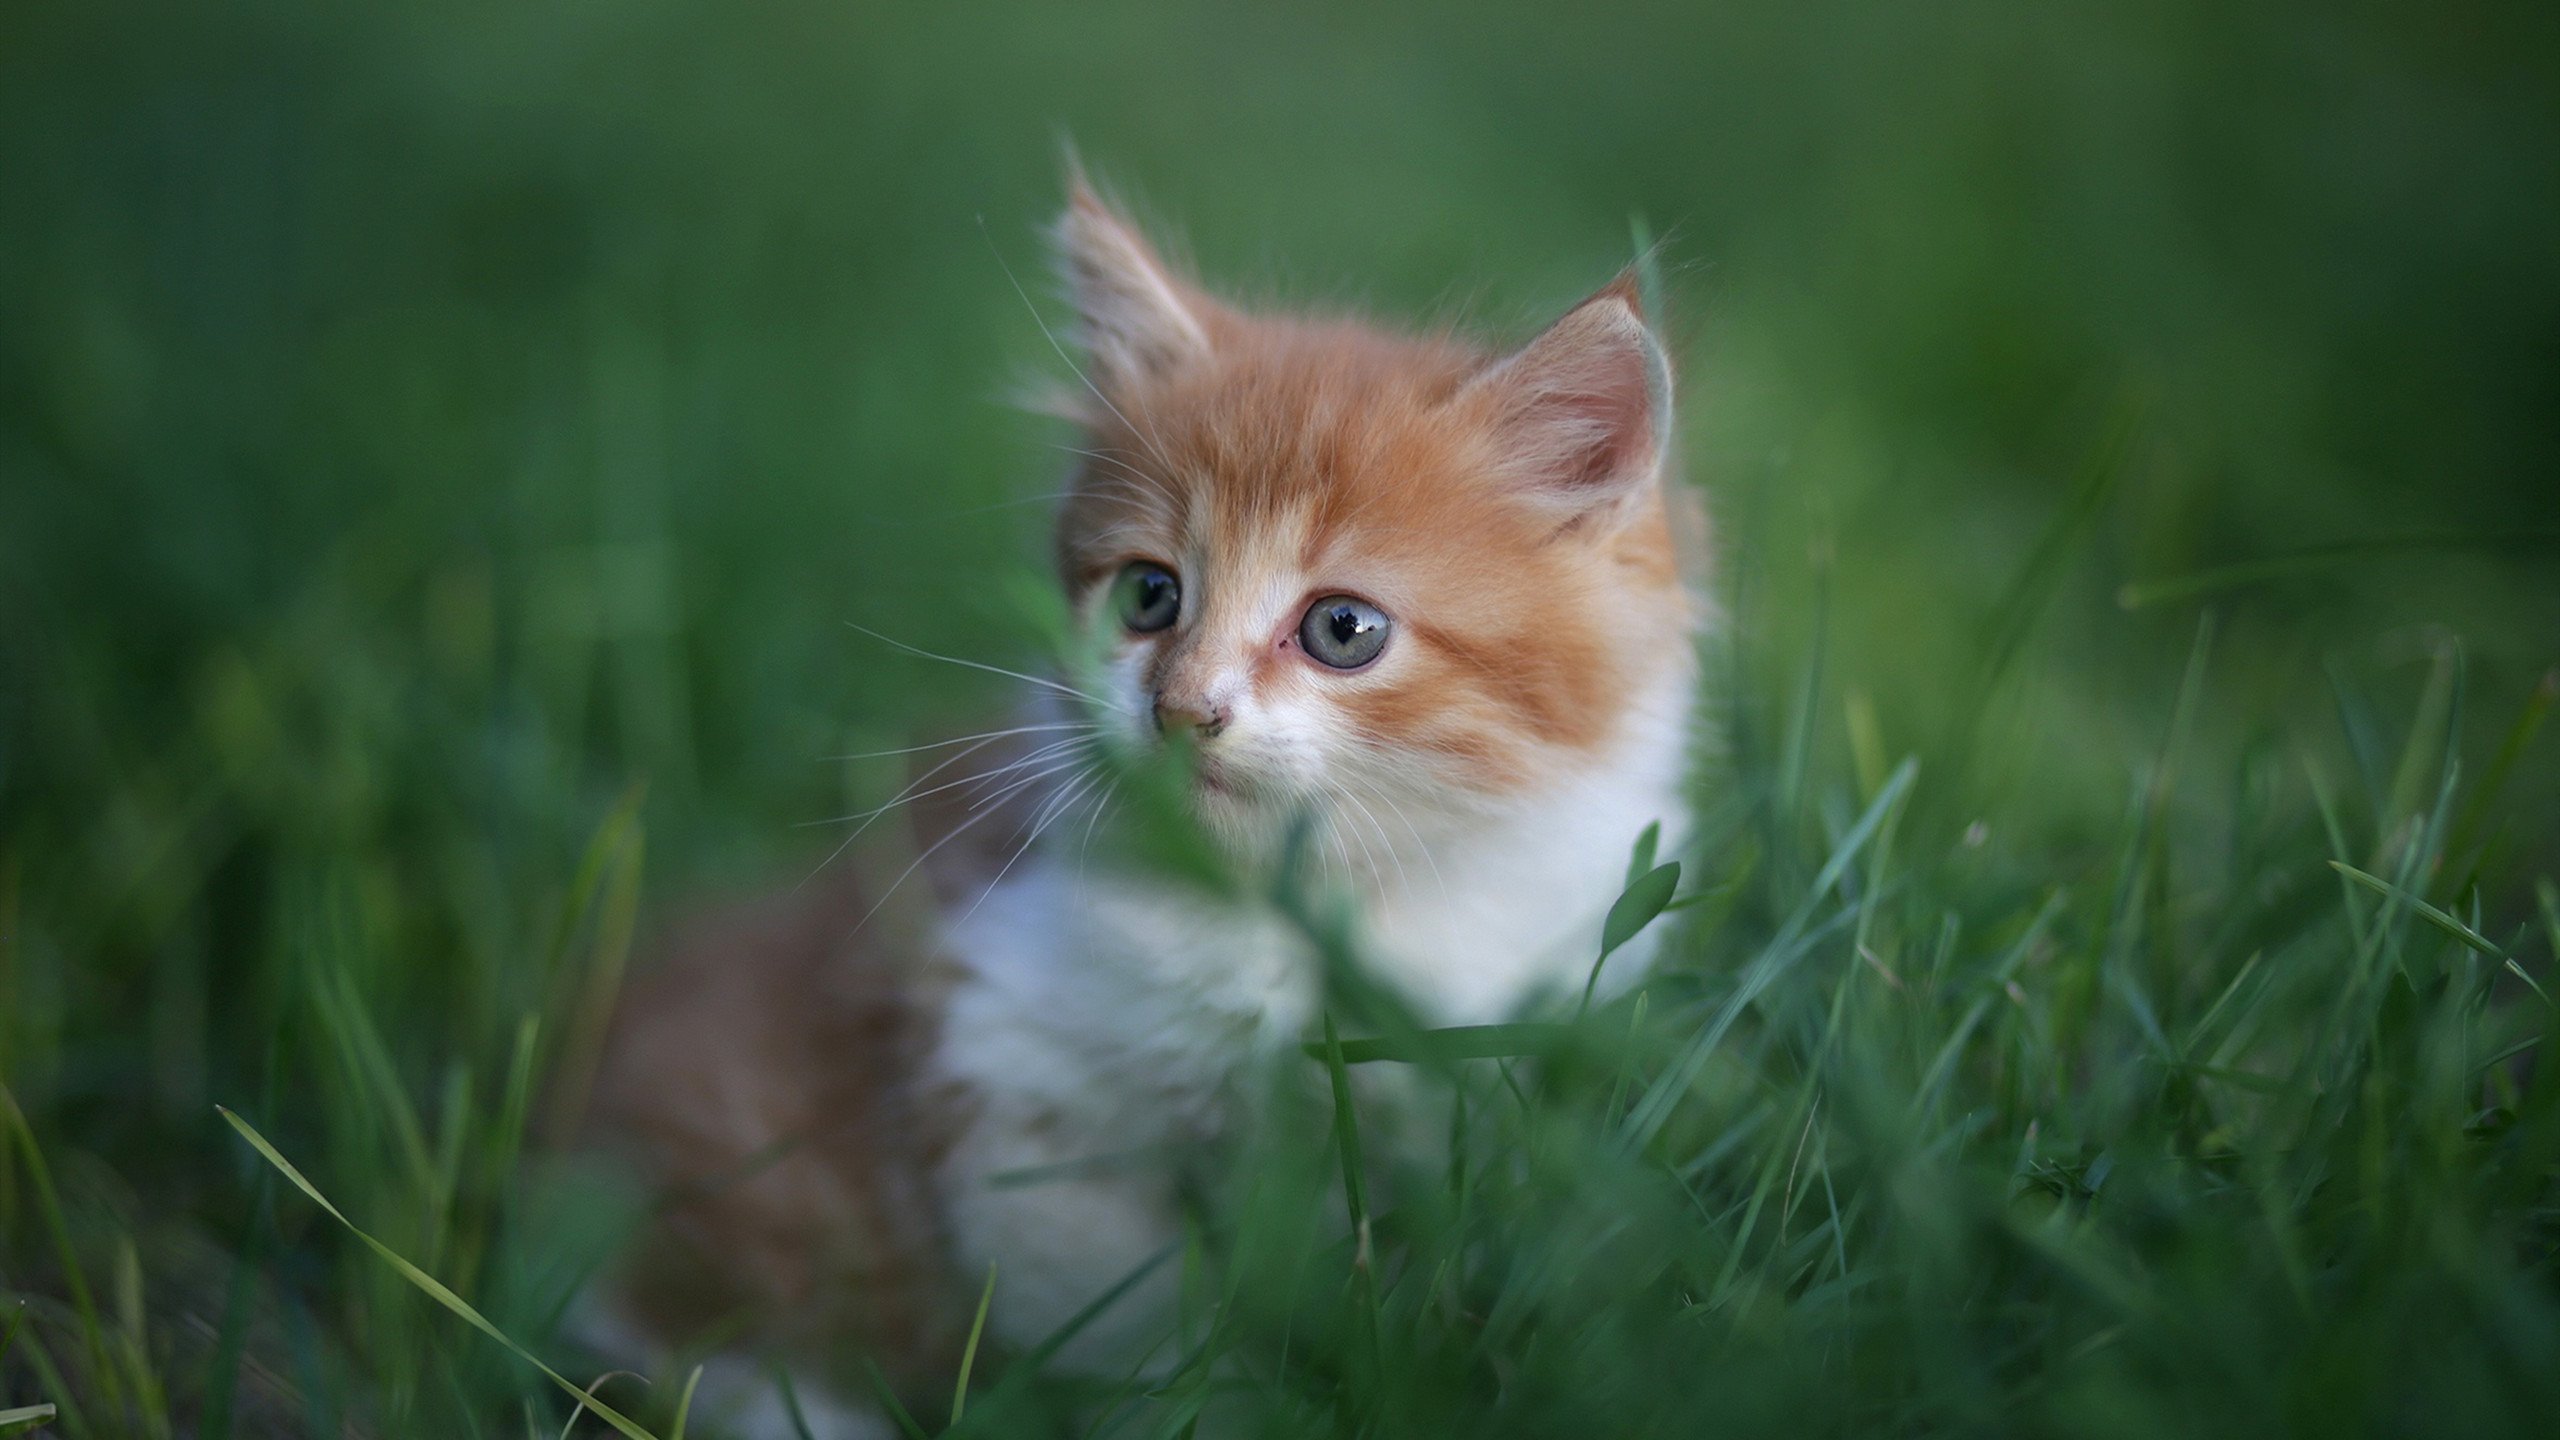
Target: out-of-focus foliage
<point>440,443</point>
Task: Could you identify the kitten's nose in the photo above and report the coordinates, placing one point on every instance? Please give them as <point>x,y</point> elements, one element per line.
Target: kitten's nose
<point>1201,718</point>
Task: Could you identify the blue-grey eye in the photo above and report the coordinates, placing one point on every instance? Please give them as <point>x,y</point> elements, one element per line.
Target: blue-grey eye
<point>1148,595</point>
<point>1342,632</point>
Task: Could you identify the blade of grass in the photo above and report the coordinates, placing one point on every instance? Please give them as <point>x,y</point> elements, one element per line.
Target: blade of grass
<point>434,1288</point>
<point>2424,911</point>
<point>1634,909</point>
<point>148,1397</point>
<point>1796,759</point>
<point>1647,845</point>
<point>2535,985</point>
<point>229,1343</point>
<point>74,1279</point>
<point>608,887</point>
<point>1654,1110</point>
<point>1942,1065</point>
<point>369,1064</point>
<point>1346,1131</point>
<point>1627,1055</point>
<point>2310,559</point>
<point>460,1119</point>
<point>2493,781</point>
<point>889,1402</point>
<point>1021,1372</point>
<point>2423,754</point>
<point>791,1403</point>
<point>1450,1044</point>
<point>587,1397</point>
<point>49,1380</point>
<point>969,1352</point>
<point>2030,593</point>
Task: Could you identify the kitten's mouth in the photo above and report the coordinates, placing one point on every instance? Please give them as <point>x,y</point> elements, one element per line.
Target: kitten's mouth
<point>1217,779</point>
<point>1227,782</point>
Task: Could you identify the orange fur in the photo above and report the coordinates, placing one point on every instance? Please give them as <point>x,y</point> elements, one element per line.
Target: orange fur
<point>796,1089</point>
<point>1393,468</point>
<point>767,1076</point>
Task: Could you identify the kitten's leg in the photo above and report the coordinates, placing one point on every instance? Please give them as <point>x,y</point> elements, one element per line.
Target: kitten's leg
<point>761,1093</point>
<point>742,1398</point>
<point>739,1394</point>
<point>1064,1216</point>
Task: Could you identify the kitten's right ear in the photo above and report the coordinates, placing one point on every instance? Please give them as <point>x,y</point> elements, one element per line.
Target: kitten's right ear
<point>1584,411</point>
<point>1138,321</point>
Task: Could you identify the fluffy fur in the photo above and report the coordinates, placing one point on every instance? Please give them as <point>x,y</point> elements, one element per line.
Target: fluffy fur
<point>1476,786</point>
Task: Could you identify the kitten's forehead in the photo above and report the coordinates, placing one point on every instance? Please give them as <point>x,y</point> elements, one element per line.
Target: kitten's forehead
<point>1252,570</point>
<point>1314,445</point>
<point>1301,459</point>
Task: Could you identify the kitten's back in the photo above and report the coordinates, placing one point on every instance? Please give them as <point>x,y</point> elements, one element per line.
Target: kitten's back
<point>765,1078</point>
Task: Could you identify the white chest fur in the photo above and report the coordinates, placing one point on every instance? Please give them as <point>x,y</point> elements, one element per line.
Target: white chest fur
<point>1101,1019</point>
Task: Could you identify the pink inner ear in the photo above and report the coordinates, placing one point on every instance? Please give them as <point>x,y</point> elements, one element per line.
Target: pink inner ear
<point>1604,425</point>
<point>1138,320</point>
<point>1579,401</point>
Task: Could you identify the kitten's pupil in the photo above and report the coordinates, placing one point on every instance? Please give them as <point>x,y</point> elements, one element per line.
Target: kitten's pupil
<point>1150,598</point>
<point>1343,632</point>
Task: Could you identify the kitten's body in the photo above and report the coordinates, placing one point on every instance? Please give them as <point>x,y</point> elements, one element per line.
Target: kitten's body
<point>1475,785</point>
<point>1101,1016</point>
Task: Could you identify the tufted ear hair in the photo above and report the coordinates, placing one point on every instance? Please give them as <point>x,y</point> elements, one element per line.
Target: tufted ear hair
<point>1138,321</point>
<point>1582,414</point>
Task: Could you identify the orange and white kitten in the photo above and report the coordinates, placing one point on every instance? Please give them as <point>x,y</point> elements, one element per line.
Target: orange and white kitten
<point>1426,596</point>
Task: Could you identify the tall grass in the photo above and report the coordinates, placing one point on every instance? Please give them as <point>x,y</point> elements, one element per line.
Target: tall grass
<point>2235,1126</point>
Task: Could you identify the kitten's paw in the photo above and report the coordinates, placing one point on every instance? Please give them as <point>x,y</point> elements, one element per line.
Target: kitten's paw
<point>744,1400</point>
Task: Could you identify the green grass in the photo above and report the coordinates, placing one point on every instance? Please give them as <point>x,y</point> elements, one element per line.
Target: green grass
<point>1889,1159</point>
<point>2110,994</point>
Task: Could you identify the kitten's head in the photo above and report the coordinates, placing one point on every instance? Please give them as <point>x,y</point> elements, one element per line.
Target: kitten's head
<point>1353,566</point>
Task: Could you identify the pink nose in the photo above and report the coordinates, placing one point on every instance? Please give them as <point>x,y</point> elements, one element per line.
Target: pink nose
<point>1202,719</point>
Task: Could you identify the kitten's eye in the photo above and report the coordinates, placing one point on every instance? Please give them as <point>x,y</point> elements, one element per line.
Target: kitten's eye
<point>1342,632</point>
<point>1148,595</point>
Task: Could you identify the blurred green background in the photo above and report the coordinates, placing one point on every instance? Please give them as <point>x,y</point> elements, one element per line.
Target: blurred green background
<point>422,425</point>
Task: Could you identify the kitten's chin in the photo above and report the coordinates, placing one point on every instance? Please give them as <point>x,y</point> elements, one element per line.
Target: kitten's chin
<point>1235,814</point>
<point>1249,819</point>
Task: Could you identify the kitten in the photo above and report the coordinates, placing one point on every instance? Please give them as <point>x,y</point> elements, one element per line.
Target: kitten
<point>1426,597</point>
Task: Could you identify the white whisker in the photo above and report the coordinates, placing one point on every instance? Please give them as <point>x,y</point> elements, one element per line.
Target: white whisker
<point>1084,851</point>
<point>912,793</point>
<point>1419,844</point>
<point>963,828</point>
<point>1374,871</point>
<point>990,806</point>
<point>1067,690</point>
<point>1015,787</point>
<point>1082,783</point>
<point>961,740</point>
<point>1047,334</point>
<point>1140,483</point>
<point>1041,756</point>
<point>1402,880</point>
<point>906,794</point>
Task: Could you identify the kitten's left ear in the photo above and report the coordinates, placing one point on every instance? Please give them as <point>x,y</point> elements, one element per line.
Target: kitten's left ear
<point>1582,414</point>
<point>1138,320</point>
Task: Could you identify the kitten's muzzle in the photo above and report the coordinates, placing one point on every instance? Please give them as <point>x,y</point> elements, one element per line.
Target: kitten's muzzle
<point>1203,721</point>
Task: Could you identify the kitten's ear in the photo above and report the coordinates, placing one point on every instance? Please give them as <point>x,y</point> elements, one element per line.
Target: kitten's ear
<point>1583,412</point>
<point>1138,320</point>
